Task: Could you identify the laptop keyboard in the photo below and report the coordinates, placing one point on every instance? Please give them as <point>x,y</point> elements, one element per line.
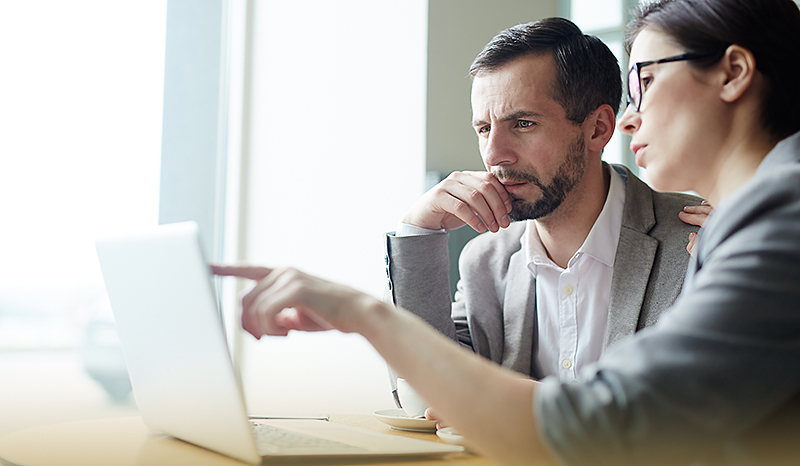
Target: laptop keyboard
<point>270,439</point>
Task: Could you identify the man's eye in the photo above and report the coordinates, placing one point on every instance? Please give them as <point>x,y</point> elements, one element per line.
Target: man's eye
<point>483,130</point>
<point>525,124</point>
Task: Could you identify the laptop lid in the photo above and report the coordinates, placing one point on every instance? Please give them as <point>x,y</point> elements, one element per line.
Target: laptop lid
<point>168,323</point>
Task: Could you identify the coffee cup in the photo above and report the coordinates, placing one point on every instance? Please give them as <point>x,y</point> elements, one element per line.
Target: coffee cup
<point>412,403</point>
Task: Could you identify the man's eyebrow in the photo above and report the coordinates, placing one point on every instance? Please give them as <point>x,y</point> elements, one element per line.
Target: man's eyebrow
<point>518,115</point>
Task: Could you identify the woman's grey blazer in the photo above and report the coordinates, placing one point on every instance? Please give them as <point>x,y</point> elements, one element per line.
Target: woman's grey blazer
<point>717,380</point>
<point>494,312</point>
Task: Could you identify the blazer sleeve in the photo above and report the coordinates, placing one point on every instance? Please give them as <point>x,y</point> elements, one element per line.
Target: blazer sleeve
<point>418,273</point>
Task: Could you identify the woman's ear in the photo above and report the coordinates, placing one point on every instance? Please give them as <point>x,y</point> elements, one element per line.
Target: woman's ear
<point>739,66</point>
<point>600,128</point>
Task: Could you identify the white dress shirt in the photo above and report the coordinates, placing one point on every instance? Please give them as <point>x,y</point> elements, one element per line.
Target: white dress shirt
<point>572,303</point>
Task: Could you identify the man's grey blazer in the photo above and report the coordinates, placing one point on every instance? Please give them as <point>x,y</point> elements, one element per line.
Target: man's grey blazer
<point>494,312</point>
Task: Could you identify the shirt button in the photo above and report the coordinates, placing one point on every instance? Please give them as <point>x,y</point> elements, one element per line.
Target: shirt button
<point>568,290</point>
<point>566,364</point>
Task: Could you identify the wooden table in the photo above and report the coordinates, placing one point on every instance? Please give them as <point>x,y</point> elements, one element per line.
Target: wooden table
<point>126,441</point>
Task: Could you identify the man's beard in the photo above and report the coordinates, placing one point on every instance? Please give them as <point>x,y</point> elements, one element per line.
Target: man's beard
<point>569,173</point>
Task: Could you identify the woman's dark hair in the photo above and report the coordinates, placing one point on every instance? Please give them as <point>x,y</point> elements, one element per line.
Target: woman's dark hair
<point>770,29</point>
<point>587,72</point>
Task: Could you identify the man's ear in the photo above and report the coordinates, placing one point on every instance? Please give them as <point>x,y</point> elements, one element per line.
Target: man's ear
<point>599,127</point>
<point>739,66</point>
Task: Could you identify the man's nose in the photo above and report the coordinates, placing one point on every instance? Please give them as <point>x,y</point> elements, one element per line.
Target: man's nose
<point>498,149</point>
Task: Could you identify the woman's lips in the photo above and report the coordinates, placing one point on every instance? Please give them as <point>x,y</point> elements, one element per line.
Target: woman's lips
<point>637,150</point>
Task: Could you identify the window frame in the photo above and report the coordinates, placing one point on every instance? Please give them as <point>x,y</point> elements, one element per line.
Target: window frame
<point>204,109</point>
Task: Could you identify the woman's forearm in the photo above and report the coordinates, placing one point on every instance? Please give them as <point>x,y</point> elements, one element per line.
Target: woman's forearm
<point>491,406</point>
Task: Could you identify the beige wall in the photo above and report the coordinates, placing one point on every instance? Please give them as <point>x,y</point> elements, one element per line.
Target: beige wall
<point>457,31</point>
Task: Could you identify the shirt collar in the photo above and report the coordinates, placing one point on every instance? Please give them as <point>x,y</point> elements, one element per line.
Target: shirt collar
<point>600,244</point>
<point>534,249</point>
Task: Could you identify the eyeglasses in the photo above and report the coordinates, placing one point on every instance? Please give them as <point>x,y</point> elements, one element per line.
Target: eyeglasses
<point>636,87</point>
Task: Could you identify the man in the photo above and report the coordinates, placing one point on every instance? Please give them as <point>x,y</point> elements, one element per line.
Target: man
<point>594,254</point>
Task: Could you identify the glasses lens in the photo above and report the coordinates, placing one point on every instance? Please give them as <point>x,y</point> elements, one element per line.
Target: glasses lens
<point>634,88</point>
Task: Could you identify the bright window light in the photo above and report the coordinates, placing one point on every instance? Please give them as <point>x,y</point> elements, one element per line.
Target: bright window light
<point>80,142</point>
<point>594,15</point>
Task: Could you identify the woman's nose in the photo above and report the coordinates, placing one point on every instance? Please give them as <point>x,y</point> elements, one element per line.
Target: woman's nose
<point>629,121</point>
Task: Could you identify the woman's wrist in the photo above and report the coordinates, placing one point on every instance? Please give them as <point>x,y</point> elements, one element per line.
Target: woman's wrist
<point>377,319</point>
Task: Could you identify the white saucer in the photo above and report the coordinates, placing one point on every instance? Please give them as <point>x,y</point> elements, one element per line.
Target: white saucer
<point>449,435</point>
<point>398,419</point>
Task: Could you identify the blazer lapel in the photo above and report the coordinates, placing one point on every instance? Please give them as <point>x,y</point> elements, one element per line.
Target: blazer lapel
<point>636,252</point>
<point>519,327</point>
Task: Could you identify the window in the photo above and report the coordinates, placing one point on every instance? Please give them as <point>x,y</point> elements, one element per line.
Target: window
<point>80,143</point>
<point>80,137</point>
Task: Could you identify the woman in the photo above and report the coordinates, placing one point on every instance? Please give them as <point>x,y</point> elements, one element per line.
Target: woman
<point>713,108</point>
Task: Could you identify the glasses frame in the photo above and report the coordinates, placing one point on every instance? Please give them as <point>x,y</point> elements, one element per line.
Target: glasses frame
<point>638,68</point>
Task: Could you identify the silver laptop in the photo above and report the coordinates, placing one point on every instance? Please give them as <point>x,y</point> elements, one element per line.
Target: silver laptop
<point>164,303</point>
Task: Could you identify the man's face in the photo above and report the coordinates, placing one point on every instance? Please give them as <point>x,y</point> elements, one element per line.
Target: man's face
<point>524,135</point>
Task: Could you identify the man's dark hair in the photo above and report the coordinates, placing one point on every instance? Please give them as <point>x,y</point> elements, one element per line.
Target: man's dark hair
<point>770,29</point>
<point>587,72</point>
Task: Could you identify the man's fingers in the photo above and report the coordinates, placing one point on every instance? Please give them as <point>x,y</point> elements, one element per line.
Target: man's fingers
<point>491,178</point>
<point>481,202</point>
<point>243,271</point>
<point>476,199</point>
<point>494,193</point>
<point>465,213</point>
<point>431,415</point>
